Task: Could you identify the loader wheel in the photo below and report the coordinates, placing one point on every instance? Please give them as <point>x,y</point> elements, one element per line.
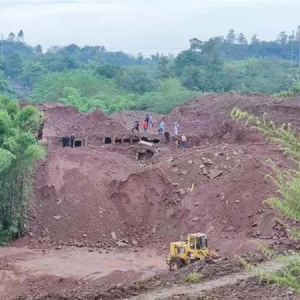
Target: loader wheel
<point>176,264</point>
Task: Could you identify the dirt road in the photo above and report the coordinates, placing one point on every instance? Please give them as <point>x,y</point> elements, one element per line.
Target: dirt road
<point>201,289</point>
<point>21,269</point>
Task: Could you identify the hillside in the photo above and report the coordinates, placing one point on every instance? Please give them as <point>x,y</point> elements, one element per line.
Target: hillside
<point>112,196</point>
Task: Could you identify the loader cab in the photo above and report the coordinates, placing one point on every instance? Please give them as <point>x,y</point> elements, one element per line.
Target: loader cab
<point>197,241</point>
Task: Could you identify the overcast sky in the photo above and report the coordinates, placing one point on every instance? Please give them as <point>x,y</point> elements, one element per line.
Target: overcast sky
<point>146,26</point>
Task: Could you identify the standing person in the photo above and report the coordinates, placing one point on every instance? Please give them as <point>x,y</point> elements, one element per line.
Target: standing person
<point>167,137</point>
<point>136,127</point>
<point>145,126</point>
<point>147,119</point>
<point>183,141</point>
<point>72,139</point>
<point>150,121</point>
<point>176,127</point>
<point>161,127</point>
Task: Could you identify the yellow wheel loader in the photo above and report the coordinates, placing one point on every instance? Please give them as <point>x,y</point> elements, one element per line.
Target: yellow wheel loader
<point>193,249</point>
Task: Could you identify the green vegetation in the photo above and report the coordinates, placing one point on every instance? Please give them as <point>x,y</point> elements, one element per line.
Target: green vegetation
<point>293,91</point>
<point>18,152</point>
<point>193,278</point>
<point>287,183</point>
<point>92,77</point>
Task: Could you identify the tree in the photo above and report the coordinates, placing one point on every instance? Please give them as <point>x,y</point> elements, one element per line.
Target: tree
<point>108,71</point>
<point>38,49</point>
<point>242,39</point>
<point>13,65</point>
<point>195,44</point>
<point>11,37</point>
<point>135,80</point>
<point>297,38</point>
<point>21,36</point>
<point>231,37</point>
<point>282,38</point>
<point>255,40</point>
<point>165,67</point>
<point>18,153</point>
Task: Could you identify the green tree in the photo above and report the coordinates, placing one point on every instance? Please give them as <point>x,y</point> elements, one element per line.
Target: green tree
<point>21,36</point>
<point>165,67</point>
<point>242,39</point>
<point>38,49</point>
<point>282,38</point>
<point>255,40</point>
<point>11,37</point>
<point>135,80</point>
<point>231,37</point>
<point>13,66</point>
<point>195,44</point>
<point>18,152</point>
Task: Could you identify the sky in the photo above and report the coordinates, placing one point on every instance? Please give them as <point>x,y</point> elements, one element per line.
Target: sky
<point>146,26</point>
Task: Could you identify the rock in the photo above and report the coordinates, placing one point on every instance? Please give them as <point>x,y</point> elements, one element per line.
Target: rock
<point>154,230</point>
<point>57,217</point>
<point>201,166</point>
<point>175,184</point>
<point>184,172</point>
<point>84,235</point>
<point>215,173</point>
<point>196,219</point>
<point>237,201</point>
<point>170,160</point>
<point>182,192</point>
<point>204,171</point>
<point>190,162</point>
<point>235,153</point>
<point>254,224</point>
<point>216,154</point>
<point>174,170</point>
<point>58,247</point>
<point>122,244</point>
<point>196,204</point>
<point>208,162</point>
<point>164,247</point>
<point>113,235</point>
<point>227,158</point>
<point>134,243</point>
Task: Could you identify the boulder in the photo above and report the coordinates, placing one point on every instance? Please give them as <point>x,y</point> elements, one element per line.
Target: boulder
<point>215,173</point>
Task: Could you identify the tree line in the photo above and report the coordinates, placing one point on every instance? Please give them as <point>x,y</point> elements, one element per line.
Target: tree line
<point>18,152</point>
<point>92,77</point>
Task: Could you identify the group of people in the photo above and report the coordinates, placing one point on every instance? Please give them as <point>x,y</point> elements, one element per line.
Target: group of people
<point>148,123</point>
<point>68,141</point>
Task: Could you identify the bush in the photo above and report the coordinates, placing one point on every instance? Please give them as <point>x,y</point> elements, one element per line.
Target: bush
<point>193,278</point>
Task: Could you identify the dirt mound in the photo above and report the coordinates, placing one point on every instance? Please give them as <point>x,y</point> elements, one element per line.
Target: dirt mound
<point>141,201</point>
<point>97,198</point>
<point>66,120</point>
<point>127,118</point>
<point>208,118</point>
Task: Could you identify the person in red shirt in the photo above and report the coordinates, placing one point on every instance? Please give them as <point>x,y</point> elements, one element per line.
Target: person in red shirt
<point>145,126</point>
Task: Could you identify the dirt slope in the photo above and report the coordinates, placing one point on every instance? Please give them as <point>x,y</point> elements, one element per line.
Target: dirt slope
<point>101,196</point>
